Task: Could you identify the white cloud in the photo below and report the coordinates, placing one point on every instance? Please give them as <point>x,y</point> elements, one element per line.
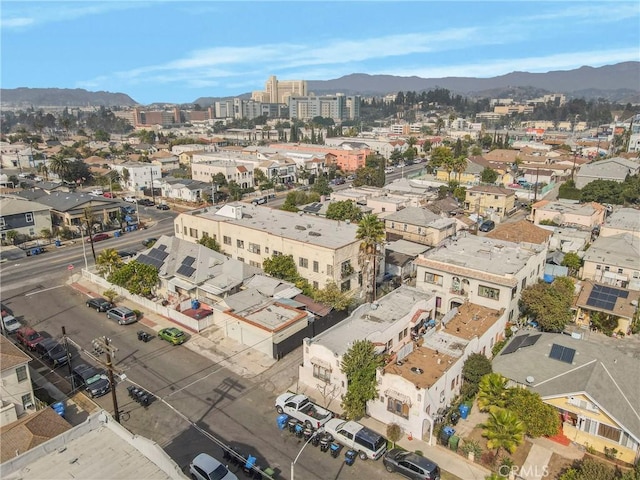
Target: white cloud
<point>17,22</point>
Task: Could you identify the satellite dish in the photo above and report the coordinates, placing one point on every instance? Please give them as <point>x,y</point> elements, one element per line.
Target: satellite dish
<point>530,379</point>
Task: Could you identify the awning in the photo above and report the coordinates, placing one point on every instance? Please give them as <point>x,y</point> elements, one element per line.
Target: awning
<point>177,282</point>
<point>398,396</point>
<point>321,363</point>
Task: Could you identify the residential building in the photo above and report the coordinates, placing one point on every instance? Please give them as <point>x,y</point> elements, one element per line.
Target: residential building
<point>521,231</point>
<point>591,383</point>
<point>346,160</point>
<point>390,324</point>
<point>568,240</point>
<point>279,91</point>
<point>23,216</point>
<point>599,298</point>
<point>621,221</point>
<point>614,261</point>
<point>486,272</point>
<point>424,376</point>
<point>16,391</point>
<point>205,166</point>
<point>489,202</point>
<point>139,175</point>
<point>323,250</point>
<point>326,106</point>
<point>419,225</point>
<point>400,257</point>
<point>384,146</point>
<point>568,213</point>
<point>615,169</point>
<point>185,189</point>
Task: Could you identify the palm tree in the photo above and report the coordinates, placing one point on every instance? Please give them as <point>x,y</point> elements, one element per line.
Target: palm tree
<point>459,165</point>
<point>43,170</point>
<point>370,233</point>
<point>59,165</point>
<point>89,222</point>
<point>108,261</point>
<point>492,391</point>
<point>503,429</point>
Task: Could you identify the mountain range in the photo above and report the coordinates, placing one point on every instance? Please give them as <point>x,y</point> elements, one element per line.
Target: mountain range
<point>616,83</point>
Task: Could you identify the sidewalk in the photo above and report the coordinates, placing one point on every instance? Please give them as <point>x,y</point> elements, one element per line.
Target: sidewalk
<point>445,458</point>
<point>211,343</point>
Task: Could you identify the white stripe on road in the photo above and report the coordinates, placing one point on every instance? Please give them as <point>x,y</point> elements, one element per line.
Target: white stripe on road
<point>42,291</point>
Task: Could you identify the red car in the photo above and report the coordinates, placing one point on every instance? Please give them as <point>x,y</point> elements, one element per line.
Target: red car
<point>28,337</point>
<point>108,195</point>
<point>97,237</point>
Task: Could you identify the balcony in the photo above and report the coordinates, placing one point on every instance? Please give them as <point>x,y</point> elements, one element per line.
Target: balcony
<point>346,272</point>
<point>459,291</point>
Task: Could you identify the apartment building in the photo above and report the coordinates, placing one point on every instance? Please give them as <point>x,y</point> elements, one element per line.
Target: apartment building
<point>139,175</point>
<point>489,202</point>
<point>327,106</point>
<point>205,166</point>
<point>279,91</point>
<point>16,391</point>
<point>419,225</point>
<point>347,160</point>
<point>483,271</point>
<point>23,216</point>
<point>584,216</point>
<point>324,250</point>
<point>621,221</point>
<point>614,260</point>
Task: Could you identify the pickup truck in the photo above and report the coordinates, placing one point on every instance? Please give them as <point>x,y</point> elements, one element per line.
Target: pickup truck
<point>366,442</point>
<point>301,408</point>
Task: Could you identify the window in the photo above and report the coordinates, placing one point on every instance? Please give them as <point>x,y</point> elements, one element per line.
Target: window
<point>453,384</point>
<point>193,232</point>
<point>315,285</point>
<point>514,291</point>
<point>606,269</point>
<point>303,262</point>
<point>28,217</point>
<point>321,373</point>
<point>611,433</point>
<point>433,278</point>
<point>177,230</point>
<point>393,225</point>
<point>489,292</point>
<point>255,264</point>
<point>226,240</point>
<point>254,248</point>
<point>316,266</point>
<point>598,267</point>
<point>184,231</point>
<point>405,227</point>
<point>619,270</point>
<point>397,407</point>
<point>240,259</point>
<point>523,284</point>
<point>266,250</point>
<point>21,373</point>
<point>330,270</point>
<point>240,243</point>
<point>26,401</point>
<point>345,286</point>
<point>276,253</point>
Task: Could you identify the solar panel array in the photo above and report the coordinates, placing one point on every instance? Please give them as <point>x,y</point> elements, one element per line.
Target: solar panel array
<point>564,354</point>
<point>605,297</point>
<point>521,342</point>
<point>158,254</point>
<point>185,270</point>
<point>148,260</point>
<point>188,261</point>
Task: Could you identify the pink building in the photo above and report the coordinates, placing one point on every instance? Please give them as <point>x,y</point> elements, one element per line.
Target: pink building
<point>346,160</point>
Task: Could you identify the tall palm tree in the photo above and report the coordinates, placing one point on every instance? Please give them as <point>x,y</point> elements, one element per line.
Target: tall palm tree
<point>371,234</point>
<point>59,165</point>
<point>492,391</point>
<point>43,170</point>
<point>108,261</point>
<point>89,222</point>
<point>503,429</point>
<point>459,165</point>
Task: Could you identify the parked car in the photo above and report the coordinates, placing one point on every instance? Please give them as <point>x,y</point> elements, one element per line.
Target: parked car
<point>205,467</point>
<point>109,195</point>
<point>93,380</point>
<point>51,351</point>
<point>487,226</point>
<point>98,237</point>
<point>148,242</point>
<point>411,465</point>
<point>366,442</point>
<point>162,206</point>
<point>145,202</point>
<point>28,337</point>
<point>10,324</point>
<point>99,304</point>
<point>172,335</point>
<point>96,192</point>
<point>126,254</point>
<point>122,315</point>
<point>259,200</point>
<point>128,209</point>
<point>130,199</point>
<point>301,408</point>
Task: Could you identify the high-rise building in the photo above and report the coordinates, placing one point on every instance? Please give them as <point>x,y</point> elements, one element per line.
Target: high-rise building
<point>338,107</point>
<point>279,91</point>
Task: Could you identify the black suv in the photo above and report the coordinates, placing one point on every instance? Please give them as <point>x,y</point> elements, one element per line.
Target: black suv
<point>411,465</point>
<point>94,380</point>
<point>99,304</point>
<point>52,352</point>
<point>145,202</point>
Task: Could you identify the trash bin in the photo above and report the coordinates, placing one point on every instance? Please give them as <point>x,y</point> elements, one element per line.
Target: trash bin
<point>282,421</point>
<point>464,411</point>
<point>58,243</point>
<point>195,304</point>
<point>453,442</point>
<point>116,233</point>
<point>445,435</point>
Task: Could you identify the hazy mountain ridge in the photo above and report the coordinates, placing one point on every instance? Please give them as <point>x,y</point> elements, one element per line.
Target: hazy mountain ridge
<point>62,97</point>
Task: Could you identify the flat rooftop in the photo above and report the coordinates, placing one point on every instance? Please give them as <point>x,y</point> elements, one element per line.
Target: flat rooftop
<point>275,316</point>
<point>624,219</point>
<point>302,228</point>
<point>472,321</point>
<point>422,367</point>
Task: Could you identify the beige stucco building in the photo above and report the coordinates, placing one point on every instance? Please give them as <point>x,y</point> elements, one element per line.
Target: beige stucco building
<point>16,391</point>
<point>490,202</point>
<point>323,250</point>
<point>206,166</point>
<point>614,261</point>
<point>585,216</point>
<point>621,221</point>
<point>419,225</point>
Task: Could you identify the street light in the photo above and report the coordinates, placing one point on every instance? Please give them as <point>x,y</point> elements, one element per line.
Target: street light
<point>300,452</point>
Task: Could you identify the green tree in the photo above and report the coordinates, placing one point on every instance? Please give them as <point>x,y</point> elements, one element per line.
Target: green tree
<point>219,179</point>
<point>359,365</point>
<point>371,233</point>
<point>332,295</point>
<point>59,165</point>
<point>46,233</point>
<point>108,261</point>
<point>539,418</point>
<point>209,242</point>
<point>344,210</point>
<point>503,430</point>
<point>235,191</point>
<point>282,267</point>
<point>488,175</point>
<point>110,294</point>
<point>492,391</point>
<point>573,262</point>
<point>12,235</point>
<point>290,204</point>
<point>442,158</point>
<point>321,186</point>
<point>394,433</point>
<point>475,367</point>
<point>592,469</point>
<point>549,304</point>
<point>138,278</point>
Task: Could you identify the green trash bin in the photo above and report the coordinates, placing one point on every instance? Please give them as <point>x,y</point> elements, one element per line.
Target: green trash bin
<point>453,442</point>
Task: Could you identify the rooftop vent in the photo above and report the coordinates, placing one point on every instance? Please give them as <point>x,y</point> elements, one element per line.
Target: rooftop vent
<point>300,227</point>
<point>417,370</point>
<point>315,234</point>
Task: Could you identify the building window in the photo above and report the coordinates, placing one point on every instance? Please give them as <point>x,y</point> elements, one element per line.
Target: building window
<point>523,284</point>
<point>606,269</point>
<point>240,259</point>
<point>28,217</point>
<point>393,226</point>
<point>321,373</point>
<point>489,292</point>
<point>433,278</point>
<point>226,240</point>
<point>397,407</point>
<point>611,433</point>
<point>330,270</point>
<point>240,243</point>
<point>177,230</point>
<point>21,373</point>
<point>193,232</point>
<point>266,250</point>
<point>405,227</point>
<point>620,270</point>
<point>346,269</point>
<point>255,264</point>
<point>315,285</point>
<point>184,231</point>
<point>345,286</point>
<point>276,253</point>
<point>303,262</point>
<point>598,267</point>
<point>316,266</point>
<point>26,401</point>
<point>453,384</point>
<point>514,292</point>
<point>254,248</point>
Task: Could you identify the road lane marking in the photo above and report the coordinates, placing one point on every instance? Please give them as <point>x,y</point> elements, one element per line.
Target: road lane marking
<point>42,291</point>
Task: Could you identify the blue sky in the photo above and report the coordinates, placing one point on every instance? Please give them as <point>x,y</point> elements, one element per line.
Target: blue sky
<point>159,51</point>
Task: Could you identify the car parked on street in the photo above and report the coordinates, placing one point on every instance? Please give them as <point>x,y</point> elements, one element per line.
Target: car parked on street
<point>145,202</point>
<point>163,206</point>
<point>172,335</point>
<point>411,465</point>
<point>98,237</point>
<point>487,226</point>
<point>28,337</point>
<point>205,467</point>
<point>52,352</point>
<point>122,315</point>
<point>94,380</point>
<point>10,324</point>
<point>130,199</point>
<point>148,242</point>
<point>99,304</point>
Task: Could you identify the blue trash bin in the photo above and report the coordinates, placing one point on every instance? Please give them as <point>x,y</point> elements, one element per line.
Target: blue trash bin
<point>282,421</point>
<point>59,408</point>
<point>464,411</point>
<point>195,304</point>
<point>116,233</point>
<point>58,243</point>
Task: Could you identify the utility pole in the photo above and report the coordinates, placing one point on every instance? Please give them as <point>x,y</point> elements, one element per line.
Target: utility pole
<point>104,344</point>
<point>66,349</point>
<point>153,194</point>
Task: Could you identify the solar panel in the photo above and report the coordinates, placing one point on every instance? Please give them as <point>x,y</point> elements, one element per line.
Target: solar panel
<point>514,345</point>
<point>564,354</point>
<point>530,340</point>
<point>162,247</point>
<point>160,255</point>
<point>188,261</point>
<point>605,297</point>
<point>147,260</point>
<point>185,270</point>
